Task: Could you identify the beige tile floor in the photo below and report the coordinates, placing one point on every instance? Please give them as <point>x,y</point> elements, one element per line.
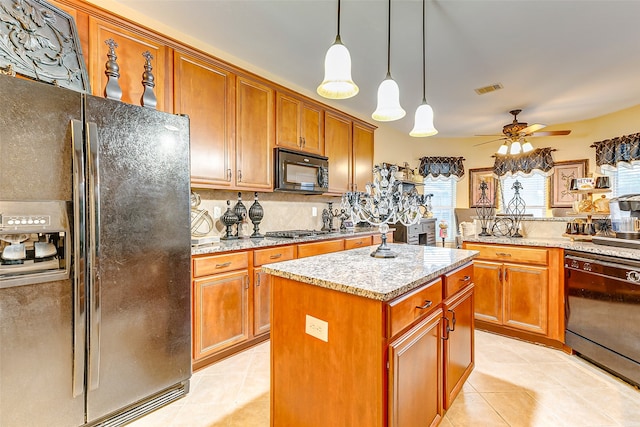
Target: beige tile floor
<point>514,384</point>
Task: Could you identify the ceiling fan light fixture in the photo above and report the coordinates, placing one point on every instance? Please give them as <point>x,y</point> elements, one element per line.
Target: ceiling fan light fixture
<point>503,150</point>
<point>516,148</point>
<point>388,108</point>
<point>423,125</point>
<point>337,83</point>
<point>526,147</point>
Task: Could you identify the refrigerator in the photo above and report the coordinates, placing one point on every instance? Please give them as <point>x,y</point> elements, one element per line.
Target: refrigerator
<point>95,258</point>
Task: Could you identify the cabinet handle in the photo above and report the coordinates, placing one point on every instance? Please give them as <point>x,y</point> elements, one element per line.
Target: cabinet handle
<point>258,280</point>
<point>465,279</point>
<point>300,142</point>
<point>224,264</point>
<point>502,254</point>
<point>304,142</point>
<point>453,320</point>
<point>500,274</point>
<point>426,304</point>
<point>506,277</point>
<point>229,175</point>
<point>446,329</point>
<point>246,282</point>
<point>276,256</point>
<point>239,175</point>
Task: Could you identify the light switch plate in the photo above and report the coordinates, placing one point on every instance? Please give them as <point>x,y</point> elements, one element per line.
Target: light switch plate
<point>314,211</point>
<point>317,328</point>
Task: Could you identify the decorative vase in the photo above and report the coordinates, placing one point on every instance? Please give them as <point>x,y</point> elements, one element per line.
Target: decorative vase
<point>229,218</point>
<point>241,212</point>
<point>485,210</point>
<point>256,213</point>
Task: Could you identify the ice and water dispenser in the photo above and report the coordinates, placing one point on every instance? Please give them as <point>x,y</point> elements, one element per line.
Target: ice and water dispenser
<point>35,242</point>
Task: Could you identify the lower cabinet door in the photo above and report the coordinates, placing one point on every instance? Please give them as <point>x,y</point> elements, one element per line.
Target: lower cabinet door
<point>487,276</point>
<point>526,298</point>
<point>261,302</point>
<point>415,375</point>
<point>458,345</point>
<point>220,312</point>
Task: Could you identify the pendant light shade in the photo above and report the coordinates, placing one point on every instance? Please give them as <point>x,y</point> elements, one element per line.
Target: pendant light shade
<point>504,149</point>
<point>526,147</point>
<point>337,83</point>
<point>388,108</point>
<point>423,122</point>
<point>516,148</point>
<point>423,125</point>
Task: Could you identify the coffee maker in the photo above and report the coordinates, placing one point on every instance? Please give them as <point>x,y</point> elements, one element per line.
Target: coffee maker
<point>625,222</point>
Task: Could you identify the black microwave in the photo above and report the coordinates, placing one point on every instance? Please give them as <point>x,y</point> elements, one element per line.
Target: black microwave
<point>301,172</point>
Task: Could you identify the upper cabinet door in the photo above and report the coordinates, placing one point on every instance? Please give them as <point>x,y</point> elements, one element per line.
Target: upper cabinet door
<point>299,124</point>
<point>362,156</point>
<point>312,125</point>
<point>337,134</point>
<point>206,93</point>
<point>130,48</point>
<point>255,134</point>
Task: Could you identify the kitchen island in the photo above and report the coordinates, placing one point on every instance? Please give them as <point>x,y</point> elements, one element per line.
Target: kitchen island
<point>363,341</point>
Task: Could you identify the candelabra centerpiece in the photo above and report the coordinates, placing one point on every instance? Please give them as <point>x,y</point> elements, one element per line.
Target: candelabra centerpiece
<point>385,201</point>
<point>485,209</point>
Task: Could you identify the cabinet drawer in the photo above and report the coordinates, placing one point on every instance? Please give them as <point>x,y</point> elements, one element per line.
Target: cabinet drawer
<point>265,256</point>
<point>403,311</point>
<point>457,279</point>
<point>357,242</point>
<point>510,253</point>
<point>214,264</point>
<point>318,248</point>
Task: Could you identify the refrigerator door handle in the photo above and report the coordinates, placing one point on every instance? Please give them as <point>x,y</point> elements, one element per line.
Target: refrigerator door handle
<point>79,259</point>
<point>94,245</point>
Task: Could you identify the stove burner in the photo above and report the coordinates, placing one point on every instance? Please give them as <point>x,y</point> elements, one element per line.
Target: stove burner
<point>293,234</point>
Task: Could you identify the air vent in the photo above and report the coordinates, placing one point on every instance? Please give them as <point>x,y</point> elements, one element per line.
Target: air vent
<point>487,89</point>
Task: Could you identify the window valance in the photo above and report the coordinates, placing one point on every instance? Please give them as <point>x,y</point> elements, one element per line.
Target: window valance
<point>623,150</point>
<point>538,161</point>
<point>442,167</point>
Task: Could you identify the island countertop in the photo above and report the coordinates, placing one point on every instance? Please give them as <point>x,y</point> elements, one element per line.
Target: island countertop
<point>356,272</point>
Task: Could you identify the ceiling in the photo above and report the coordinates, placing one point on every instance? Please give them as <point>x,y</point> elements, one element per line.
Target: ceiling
<point>558,60</point>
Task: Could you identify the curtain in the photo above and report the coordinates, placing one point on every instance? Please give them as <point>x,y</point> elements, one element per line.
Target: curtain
<point>624,150</point>
<point>538,161</point>
<point>442,167</point>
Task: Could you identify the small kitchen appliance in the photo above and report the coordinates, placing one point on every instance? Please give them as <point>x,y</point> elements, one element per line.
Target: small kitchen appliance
<point>625,222</point>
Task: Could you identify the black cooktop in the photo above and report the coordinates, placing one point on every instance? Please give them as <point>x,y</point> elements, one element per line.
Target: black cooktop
<point>293,234</point>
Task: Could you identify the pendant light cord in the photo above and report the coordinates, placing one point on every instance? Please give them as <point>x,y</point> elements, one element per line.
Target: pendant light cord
<point>389,43</point>
<point>338,19</point>
<point>424,63</point>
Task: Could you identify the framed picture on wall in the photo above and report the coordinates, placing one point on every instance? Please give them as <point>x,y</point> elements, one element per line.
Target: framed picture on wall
<point>563,173</point>
<point>476,176</point>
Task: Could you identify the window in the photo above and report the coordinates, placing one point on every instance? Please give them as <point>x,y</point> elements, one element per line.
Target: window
<point>534,193</point>
<point>442,203</point>
<point>624,180</point>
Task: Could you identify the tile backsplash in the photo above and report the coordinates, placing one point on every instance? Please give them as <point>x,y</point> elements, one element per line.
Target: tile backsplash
<point>282,211</point>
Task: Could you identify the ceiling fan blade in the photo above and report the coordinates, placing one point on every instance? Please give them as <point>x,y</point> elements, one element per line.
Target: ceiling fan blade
<point>491,134</point>
<point>532,128</point>
<point>493,140</point>
<point>551,133</point>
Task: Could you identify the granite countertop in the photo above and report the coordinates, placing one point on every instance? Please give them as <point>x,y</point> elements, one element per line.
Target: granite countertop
<point>245,244</point>
<point>564,243</point>
<point>356,272</point>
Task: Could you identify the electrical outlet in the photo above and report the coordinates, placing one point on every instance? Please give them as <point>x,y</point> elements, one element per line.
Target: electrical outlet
<point>317,328</point>
<point>314,211</point>
<point>217,212</point>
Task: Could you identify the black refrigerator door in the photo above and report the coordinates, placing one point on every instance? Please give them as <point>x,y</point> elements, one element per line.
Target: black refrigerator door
<point>41,376</point>
<point>139,256</point>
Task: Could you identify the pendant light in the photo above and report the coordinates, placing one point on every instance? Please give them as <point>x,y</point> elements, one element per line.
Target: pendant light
<point>504,149</point>
<point>423,125</point>
<point>337,83</point>
<point>526,147</point>
<point>388,108</point>
<point>516,148</point>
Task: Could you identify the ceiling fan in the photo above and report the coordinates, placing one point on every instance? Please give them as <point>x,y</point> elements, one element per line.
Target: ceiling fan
<point>514,135</point>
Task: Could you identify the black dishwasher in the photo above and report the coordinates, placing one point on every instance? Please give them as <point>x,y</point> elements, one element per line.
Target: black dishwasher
<point>602,311</point>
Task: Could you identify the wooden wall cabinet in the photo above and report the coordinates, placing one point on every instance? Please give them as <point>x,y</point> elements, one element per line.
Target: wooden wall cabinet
<point>254,135</point>
<point>299,124</point>
<point>131,46</point>
<point>519,289</point>
<point>205,92</point>
<point>349,146</point>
